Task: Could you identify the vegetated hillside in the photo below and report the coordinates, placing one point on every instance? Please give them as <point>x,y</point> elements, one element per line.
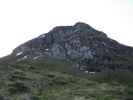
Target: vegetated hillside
<point>68,63</point>
<point>52,79</point>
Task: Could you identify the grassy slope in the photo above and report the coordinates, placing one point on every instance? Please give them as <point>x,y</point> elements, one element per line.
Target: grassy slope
<point>50,79</point>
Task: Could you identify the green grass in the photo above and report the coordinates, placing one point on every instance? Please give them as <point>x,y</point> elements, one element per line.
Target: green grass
<point>51,79</point>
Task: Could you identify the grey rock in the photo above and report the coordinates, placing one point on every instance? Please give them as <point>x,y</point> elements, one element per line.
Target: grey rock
<point>2,97</point>
<point>86,53</point>
<point>80,42</point>
<point>57,51</point>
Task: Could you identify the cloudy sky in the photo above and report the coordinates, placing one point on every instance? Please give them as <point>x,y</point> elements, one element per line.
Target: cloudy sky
<point>21,20</point>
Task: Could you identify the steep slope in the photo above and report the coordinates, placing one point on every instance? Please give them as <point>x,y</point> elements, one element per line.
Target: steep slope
<point>68,63</point>
<point>90,49</point>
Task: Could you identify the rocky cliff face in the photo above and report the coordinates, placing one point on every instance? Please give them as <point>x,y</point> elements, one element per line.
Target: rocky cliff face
<point>88,48</point>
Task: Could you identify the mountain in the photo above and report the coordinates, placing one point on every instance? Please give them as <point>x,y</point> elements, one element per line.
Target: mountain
<point>68,63</point>
<point>81,44</point>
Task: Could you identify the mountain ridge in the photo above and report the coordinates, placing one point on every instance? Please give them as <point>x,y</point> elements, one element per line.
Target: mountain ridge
<point>79,43</point>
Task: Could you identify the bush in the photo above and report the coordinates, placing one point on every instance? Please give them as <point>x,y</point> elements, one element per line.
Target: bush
<point>18,87</point>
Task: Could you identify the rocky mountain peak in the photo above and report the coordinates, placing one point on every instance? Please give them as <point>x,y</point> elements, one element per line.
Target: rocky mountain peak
<point>79,43</point>
<point>68,63</point>
<point>80,30</point>
<point>82,25</point>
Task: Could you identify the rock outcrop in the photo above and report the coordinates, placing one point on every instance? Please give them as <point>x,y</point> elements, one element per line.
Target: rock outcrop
<point>89,48</point>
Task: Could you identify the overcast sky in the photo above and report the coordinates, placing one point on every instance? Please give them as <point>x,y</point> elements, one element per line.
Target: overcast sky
<point>21,20</point>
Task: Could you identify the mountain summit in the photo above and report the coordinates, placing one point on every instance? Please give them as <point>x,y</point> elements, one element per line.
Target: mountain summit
<point>81,44</point>
<point>68,63</point>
